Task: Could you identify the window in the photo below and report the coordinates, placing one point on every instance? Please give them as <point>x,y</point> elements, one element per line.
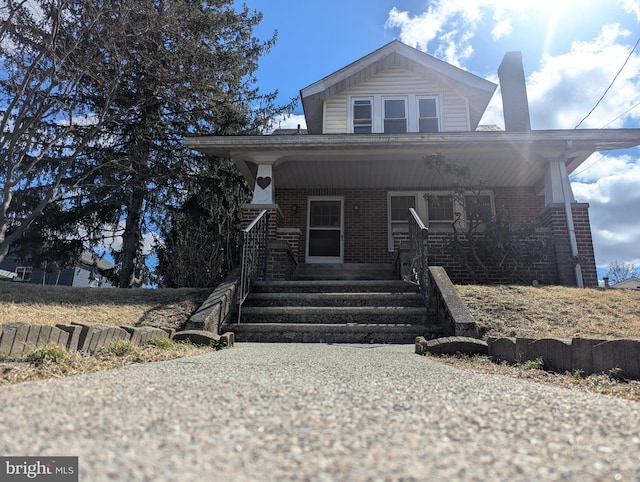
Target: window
<point>399,212</point>
<point>362,116</point>
<point>398,216</point>
<point>23,273</point>
<point>438,210</point>
<point>395,116</point>
<point>478,206</point>
<point>427,115</point>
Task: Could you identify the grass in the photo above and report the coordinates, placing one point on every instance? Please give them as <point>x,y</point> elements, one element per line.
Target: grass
<point>553,312</point>
<point>50,305</point>
<point>52,361</point>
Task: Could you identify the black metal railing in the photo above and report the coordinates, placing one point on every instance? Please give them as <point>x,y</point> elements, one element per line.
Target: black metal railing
<point>418,234</point>
<point>254,255</point>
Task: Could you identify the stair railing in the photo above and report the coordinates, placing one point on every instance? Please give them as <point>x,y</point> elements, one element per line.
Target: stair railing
<point>418,235</point>
<point>254,255</point>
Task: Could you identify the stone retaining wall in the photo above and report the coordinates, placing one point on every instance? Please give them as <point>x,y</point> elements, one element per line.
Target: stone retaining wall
<point>587,355</point>
<point>447,305</point>
<point>18,339</point>
<point>218,307</point>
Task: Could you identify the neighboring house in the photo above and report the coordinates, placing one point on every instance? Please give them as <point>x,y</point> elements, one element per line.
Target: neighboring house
<point>632,283</point>
<point>84,274</point>
<point>339,191</point>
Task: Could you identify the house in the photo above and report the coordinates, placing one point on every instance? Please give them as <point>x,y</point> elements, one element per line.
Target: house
<point>340,191</point>
<point>85,273</point>
<point>632,283</point>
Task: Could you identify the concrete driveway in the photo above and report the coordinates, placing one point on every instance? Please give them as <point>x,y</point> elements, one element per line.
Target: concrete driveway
<point>319,412</point>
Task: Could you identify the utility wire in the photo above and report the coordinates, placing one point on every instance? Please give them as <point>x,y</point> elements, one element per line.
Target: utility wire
<point>610,85</point>
<point>624,113</point>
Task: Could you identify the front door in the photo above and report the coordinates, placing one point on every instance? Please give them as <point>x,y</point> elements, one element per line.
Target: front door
<point>324,230</point>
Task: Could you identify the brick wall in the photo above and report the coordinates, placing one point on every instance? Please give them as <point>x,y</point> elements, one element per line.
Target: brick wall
<point>554,218</point>
<point>365,229</point>
<point>365,234</point>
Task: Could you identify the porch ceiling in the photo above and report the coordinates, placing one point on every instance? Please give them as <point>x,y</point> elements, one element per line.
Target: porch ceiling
<point>398,161</point>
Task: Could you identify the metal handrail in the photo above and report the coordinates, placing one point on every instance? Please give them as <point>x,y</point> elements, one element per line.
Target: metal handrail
<point>418,234</point>
<point>254,255</point>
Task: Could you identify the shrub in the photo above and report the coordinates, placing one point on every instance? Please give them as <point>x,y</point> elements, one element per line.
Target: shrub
<point>123,348</point>
<point>164,343</point>
<point>51,353</point>
<point>537,364</point>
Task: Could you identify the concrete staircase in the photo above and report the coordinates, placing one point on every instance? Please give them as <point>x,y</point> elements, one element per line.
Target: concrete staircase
<point>335,304</point>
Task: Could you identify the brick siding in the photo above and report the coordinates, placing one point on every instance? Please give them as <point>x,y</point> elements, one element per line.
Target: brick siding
<point>365,232</point>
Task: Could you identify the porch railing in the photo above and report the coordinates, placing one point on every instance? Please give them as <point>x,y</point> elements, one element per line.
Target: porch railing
<point>254,255</point>
<point>418,234</point>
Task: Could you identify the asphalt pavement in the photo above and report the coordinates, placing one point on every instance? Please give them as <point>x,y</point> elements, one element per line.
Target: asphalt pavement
<point>319,412</point>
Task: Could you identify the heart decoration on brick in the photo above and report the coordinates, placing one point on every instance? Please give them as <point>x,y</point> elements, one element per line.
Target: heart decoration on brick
<point>263,182</point>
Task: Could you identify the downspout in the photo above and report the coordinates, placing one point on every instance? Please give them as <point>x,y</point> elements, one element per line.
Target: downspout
<point>566,196</point>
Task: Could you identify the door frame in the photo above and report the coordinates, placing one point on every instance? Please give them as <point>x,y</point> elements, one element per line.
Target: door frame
<point>324,259</point>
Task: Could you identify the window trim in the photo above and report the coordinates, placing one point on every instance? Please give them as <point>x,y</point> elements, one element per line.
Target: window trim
<point>22,272</point>
<point>351,117</point>
<point>436,99</point>
<point>411,108</point>
<point>422,209</point>
<point>402,98</point>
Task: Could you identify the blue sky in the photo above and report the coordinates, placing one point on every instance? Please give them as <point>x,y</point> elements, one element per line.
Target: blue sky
<point>572,49</point>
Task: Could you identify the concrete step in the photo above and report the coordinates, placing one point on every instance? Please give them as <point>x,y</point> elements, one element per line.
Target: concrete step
<point>333,314</point>
<point>334,286</point>
<point>335,299</point>
<point>346,271</point>
<point>330,310</point>
<point>331,333</point>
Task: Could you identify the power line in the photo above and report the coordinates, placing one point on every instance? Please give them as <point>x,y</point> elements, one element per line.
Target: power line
<point>610,85</point>
<point>624,113</point>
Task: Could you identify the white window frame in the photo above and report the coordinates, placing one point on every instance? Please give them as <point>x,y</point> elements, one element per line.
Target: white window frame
<point>351,118</point>
<point>438,117</point>
<point>390,222</point>
<point>411,109</point>
<point>422,208</point>
<point>23,273</point>
<point>384,117</point>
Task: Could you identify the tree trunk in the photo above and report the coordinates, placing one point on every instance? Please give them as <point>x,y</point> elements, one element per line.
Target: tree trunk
<point>131,240</point>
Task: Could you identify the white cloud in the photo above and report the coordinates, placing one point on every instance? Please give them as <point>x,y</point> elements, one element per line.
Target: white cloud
<point>631,6</point>
<point>452,24</point>
<point>610,186</point>
<point>290,122</point>
<point>573,82</point>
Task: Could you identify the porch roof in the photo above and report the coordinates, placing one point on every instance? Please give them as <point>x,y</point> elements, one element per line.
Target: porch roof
<point>398,161</point>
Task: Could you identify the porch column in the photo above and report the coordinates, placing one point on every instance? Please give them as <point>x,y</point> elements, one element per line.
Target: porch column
<point>263,188</point>
<point>557,191</point>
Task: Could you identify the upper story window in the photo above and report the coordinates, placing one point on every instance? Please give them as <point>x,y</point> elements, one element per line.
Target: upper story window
<point>428,114</point>
<point>362,116</point>
<point>394,114</point>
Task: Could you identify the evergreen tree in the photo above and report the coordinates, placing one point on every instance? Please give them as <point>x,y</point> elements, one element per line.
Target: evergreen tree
<point>96,99</point>
<point>184,67</point>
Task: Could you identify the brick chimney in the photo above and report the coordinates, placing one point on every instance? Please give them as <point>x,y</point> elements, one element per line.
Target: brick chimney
<point>514,93</point>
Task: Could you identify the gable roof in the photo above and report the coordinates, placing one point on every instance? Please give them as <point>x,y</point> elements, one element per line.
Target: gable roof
<point>631,283</point>
<point>395,54</point>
